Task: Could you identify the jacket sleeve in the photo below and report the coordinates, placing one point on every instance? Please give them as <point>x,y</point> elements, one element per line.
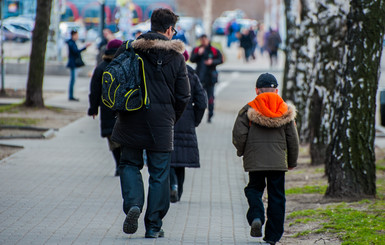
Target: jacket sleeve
<point>240,131</point>
<point>199,100</point>
<point>182,89</point>
<point>292,143</point>
<point>74,48</point>
<point>218,59</point>
<point>95,91</point>
<point>195,57</point>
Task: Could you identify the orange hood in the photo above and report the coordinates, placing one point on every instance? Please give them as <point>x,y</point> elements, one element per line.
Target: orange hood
<point>269,104</point>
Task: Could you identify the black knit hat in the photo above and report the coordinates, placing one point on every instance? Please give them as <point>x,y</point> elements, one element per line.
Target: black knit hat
<point>266,80</point>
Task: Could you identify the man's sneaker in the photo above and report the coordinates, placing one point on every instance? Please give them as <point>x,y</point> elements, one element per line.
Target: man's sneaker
<point>256,228</point>
<point>154,234</point>
<point>268,241</point>
<point>130,225</point>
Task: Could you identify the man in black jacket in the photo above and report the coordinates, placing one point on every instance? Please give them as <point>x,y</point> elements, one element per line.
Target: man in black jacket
<point>152,128</point>
<point>207,58</point>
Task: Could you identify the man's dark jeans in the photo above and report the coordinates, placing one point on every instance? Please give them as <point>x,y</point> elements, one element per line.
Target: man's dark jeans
<point>158,201</point>
<point>275,205</point>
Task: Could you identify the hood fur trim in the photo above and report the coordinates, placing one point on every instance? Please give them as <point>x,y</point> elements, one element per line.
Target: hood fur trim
<point>270,122</point>
<point>146,44</point>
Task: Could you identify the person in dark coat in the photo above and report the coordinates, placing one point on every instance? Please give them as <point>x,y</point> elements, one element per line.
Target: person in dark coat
<point>246,43</point>
<point>272,42</point>
<point>207,58</point>
<point>152,129</point>
<point>107,116</point>
<point>74,55</point>
<point>186,153</point>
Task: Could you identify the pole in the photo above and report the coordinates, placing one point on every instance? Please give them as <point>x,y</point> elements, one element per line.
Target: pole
<point>2,48</point>
<point>102,17</point>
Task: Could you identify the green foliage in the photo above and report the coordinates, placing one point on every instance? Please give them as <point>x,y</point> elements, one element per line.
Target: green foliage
<point>11,108</point>
<point>319,189</point>
<point>18,121</point>
<point>319,170</point>
<point>380,165</point>
<point>353,225</point>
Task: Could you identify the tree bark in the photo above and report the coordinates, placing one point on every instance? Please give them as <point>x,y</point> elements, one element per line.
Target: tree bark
<point>34,96</point>
<point>351,164</point>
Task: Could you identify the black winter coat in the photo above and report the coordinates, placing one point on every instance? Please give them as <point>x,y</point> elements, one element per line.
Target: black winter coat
<point>207,74</point>
<point>73,53</point>
<point>168,90</point>
<point>186,153</point>
<point>107,116</point>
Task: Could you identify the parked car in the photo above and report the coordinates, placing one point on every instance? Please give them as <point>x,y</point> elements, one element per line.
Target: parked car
<point>66,28</point>
<point>12,33</point>
<point>21,22</point>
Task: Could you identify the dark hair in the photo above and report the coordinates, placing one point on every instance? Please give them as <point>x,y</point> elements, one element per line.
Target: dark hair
<point>162,19</point>
<point>73,32</point>
<point>203,36</point>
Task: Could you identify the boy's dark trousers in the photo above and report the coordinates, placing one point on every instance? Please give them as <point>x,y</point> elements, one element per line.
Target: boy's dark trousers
<point>275,181</point>
<point>158,202</point>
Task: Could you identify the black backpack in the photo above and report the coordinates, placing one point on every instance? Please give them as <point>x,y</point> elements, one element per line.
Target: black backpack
<point>122,82</point>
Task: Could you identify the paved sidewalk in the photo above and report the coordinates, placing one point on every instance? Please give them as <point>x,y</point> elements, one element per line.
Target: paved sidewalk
<point>62,190</point>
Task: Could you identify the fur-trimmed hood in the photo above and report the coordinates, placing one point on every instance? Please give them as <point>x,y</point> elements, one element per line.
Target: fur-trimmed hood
<point>269,110</point>
<point>153,40</point>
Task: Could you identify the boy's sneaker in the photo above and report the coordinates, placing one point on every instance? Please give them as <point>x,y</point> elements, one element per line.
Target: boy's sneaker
<point>130,225</point>
<point>256,228</point>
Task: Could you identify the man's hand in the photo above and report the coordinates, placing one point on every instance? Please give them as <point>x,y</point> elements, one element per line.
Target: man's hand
<point>201,50</point>
<point>93,116</point>
<point>291,168</point>
<point>209,62</point>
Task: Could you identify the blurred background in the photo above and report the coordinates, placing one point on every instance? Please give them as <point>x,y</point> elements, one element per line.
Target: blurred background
<point>126,18</point>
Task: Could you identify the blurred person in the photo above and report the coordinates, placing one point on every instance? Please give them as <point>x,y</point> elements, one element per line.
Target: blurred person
<point>253,36</point>
<point>180,35</point>
<point>138,33</point>
<point>74,61</point>
<point>232,29</point>
<point>246,43</point>
<point>107,116</point>
<point>260,38</point>
<point>272,42</point>
<point>207,58</point>
<point>186,153</point>
<point>107,37</point>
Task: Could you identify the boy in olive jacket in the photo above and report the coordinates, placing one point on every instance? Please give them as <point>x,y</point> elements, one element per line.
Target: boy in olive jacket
<point>265,135</point>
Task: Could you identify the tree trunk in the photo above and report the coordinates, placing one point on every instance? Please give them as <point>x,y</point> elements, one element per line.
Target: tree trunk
<point>289,86</point>
<point>351,164</point>
<point>34,96</point>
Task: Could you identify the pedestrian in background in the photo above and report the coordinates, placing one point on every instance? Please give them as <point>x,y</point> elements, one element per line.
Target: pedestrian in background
<point>107,37</point>
<point>152,128</point>
<point>246,43</point>
<point>107,116</point>
<point>186,152</point>
<point>74,61</point>
<point>207,58</point>
<point>272,42</point>
<point>266,136</point>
